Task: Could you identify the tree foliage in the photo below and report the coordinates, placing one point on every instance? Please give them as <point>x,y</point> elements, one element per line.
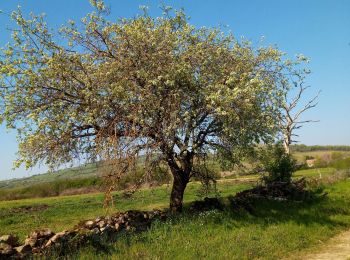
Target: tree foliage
<point>157,87</point>
<point>278,164</point>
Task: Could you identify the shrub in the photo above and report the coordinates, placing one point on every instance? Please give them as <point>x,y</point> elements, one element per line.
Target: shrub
<point>277,164</point>
<point>309,157</point>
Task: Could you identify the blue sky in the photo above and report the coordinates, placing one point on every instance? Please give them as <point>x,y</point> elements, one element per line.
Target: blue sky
<point>320,29</point>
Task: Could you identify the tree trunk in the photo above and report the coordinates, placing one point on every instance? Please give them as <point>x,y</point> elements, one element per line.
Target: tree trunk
<point>287,137</point>
<point>286,146</point>
<point>177,192</point>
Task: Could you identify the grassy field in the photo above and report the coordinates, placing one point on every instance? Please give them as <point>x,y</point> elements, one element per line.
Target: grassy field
<point>316,173</point>
<point>331,154</point>
<point>59,213</point>
<point>273,230</point>
<point>86,178</point>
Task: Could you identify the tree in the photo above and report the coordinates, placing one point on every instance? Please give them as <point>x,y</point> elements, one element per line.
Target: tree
<point>291,109</point>
<point>157,87</point>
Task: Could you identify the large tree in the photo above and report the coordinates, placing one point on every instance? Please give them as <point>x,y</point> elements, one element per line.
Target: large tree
<point>143,86</point>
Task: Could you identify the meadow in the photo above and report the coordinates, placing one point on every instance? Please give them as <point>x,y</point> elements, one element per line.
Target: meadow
<point>87,178</point>
<point>274,229</point>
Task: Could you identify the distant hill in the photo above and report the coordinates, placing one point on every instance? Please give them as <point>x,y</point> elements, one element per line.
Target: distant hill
<point>311,148</point>
<point>84,171</point>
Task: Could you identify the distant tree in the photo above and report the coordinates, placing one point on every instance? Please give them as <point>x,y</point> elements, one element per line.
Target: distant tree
<point>156,87</point>
<point>293,105</point>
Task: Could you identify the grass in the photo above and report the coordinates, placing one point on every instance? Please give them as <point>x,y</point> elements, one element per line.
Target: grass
<point>65,211</point>
<point>318,172</point>
<point>273,230</point>
<point>50,189</point>
<point>90,183</point>
<point>300,156</point>
<point>86,178</point>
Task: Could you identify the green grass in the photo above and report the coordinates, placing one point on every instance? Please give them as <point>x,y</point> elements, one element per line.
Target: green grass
<point>274,230</point>
<point>87,178</point>
<point>66,211</point>
<point>318,172</point>
<point>300,156</point>
<point>50,189</point>
<point>61,185</point>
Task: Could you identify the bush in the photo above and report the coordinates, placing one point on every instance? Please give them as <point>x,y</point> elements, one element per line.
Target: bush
<point>277,164</point>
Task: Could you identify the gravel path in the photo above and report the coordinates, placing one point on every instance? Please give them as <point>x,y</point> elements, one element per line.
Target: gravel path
<point>337,248</point>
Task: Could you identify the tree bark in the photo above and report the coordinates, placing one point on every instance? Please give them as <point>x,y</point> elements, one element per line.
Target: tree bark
<point>177,192</point>
<point>181,170</point>
<point>287,142</point>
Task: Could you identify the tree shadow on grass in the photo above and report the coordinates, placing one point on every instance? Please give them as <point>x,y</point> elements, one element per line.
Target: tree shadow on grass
<point>319,210</point>
<point>264,212</point>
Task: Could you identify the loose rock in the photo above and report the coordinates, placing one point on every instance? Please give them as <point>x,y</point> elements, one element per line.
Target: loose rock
<point>9,239</point>
<point>56,238</point>
<point>89,224</point>
<point>25,249</point>
<point>6,249</point>
<point>101,224</point>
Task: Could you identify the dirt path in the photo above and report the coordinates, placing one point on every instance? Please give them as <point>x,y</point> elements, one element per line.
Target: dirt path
<point>337,248</point>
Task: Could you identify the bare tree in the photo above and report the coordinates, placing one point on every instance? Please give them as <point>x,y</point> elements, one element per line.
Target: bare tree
<point>291,111</point>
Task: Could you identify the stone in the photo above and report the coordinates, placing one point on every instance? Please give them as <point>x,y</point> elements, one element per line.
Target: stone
<point>31,241</point>
<point>25,249</point>
<point>121,219</point>
<point>6,249</point>
<point>101,224</point>
<point>34,234</point>
<point>46,233</point>
<point>38,237</point>
<point>56,238</point>
<point>108,229</point>
<point>117,226</point>
<point>89,224</point>
<point>49,243</point>
<point>9,239</point>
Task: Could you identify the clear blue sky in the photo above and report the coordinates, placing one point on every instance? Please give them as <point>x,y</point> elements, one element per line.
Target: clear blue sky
<point>320,29</point>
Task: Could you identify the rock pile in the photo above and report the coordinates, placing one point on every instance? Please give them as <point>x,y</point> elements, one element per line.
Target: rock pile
<point>41,241</point>
<point>295,190</point>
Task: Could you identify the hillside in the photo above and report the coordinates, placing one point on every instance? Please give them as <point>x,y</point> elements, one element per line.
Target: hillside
<point>85,178</point>
<point>84,171</point>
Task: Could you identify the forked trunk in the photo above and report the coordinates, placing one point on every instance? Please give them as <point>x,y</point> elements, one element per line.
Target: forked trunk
<point>177,192</point>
